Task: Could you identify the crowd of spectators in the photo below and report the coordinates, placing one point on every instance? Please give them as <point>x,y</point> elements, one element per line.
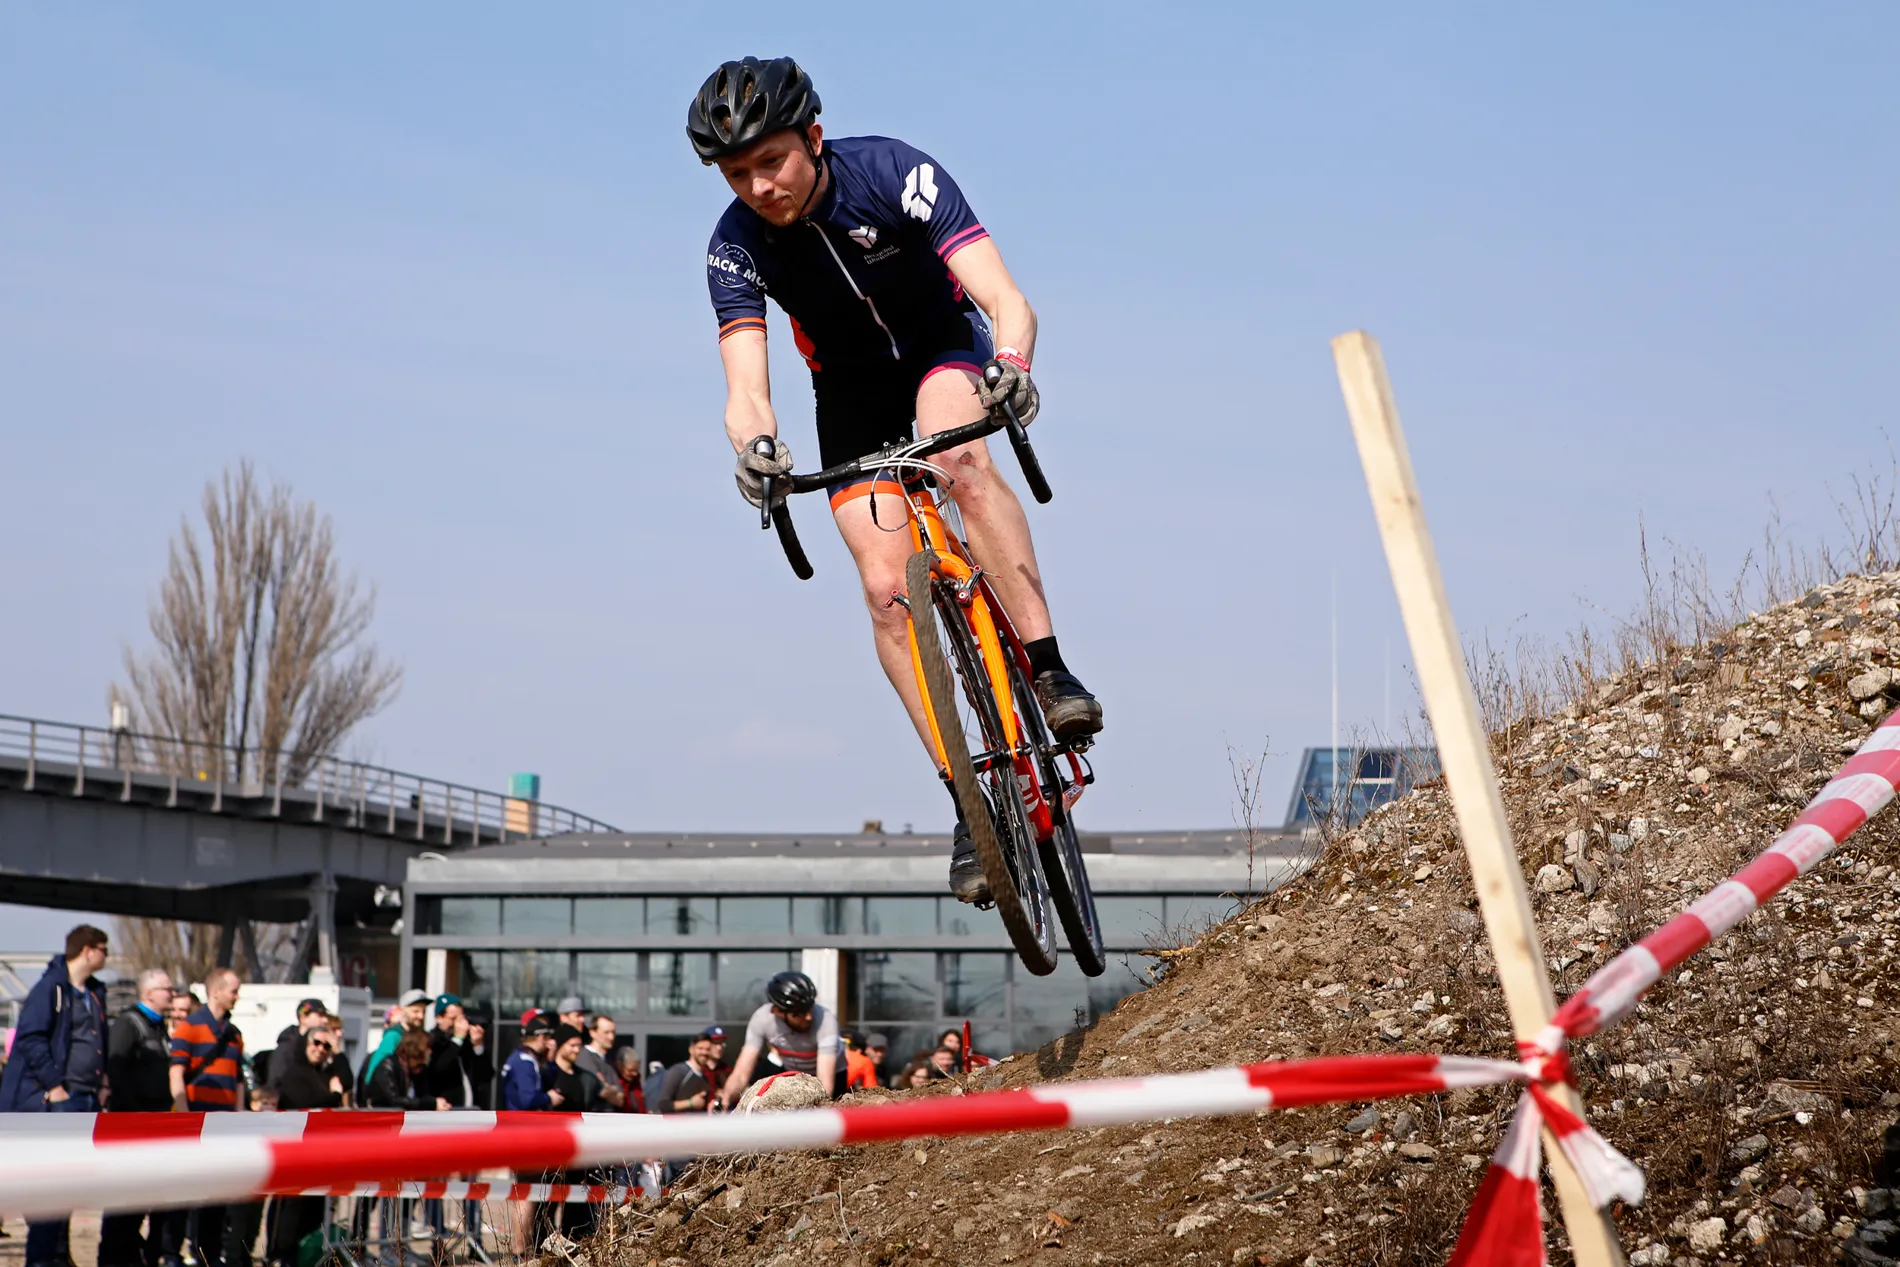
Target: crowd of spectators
<point>168,1052</point>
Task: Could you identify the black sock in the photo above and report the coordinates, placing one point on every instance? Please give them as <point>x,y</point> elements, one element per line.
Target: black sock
<point>951,788</point>
<point>1043,656</point>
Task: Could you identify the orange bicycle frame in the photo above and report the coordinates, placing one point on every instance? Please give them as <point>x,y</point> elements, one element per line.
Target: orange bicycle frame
<point>997,643</point>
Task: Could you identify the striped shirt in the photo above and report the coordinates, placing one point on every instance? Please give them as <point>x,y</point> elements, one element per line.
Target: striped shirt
<point>220,1083</point>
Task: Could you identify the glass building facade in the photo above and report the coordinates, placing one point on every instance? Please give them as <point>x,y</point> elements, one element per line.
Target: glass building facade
<point>671,935</point>
<point>1371,776</point>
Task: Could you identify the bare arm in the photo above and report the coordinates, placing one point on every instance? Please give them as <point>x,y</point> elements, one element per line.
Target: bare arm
<point>827,1069</point>
<point>741,1075</point>
<point>748,388</point>
<point>979,266</point>
<point>177,1076</point>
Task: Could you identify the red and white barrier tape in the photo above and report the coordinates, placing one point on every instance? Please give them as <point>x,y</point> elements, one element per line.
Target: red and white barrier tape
<point>54,1175</point>
<point>130,1128</point>
<point>207,1161</point>
<point>551,1193</point>
<point>1507,1200</point>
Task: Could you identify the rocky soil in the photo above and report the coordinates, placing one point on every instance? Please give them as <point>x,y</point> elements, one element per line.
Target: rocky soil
<point>1753,1087</point>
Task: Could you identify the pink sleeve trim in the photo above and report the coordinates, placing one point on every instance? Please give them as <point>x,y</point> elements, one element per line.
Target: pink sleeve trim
<point>975,233</point>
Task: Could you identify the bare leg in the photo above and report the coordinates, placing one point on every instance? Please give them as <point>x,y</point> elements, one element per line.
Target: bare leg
<point>881,555</point>
<point>993,517</point>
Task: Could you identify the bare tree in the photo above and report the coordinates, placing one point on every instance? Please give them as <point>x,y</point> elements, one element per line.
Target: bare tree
<point>260,668</point>
<point>190,951</point>
<point>260,637</point>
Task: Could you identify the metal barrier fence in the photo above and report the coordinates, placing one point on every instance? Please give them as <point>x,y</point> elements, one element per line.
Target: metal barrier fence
<point>108,762</point>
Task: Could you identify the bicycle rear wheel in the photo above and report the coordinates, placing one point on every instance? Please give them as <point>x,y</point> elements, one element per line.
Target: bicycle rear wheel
<point>1062,863</point>
<point>992,799</point>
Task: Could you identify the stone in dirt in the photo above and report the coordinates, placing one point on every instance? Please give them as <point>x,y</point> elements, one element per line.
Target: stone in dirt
<point>1552,878</point>
<point>1194,1223</point>
<point>1870,683</point>
<point>1706,1236</point>
<point>1365,1121</point>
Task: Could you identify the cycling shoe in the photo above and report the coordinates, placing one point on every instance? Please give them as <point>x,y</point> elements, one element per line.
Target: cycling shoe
<point>1067,705</point>
<point>967,881</point>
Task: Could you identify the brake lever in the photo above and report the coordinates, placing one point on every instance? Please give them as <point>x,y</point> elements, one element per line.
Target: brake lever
<point>765,447</point>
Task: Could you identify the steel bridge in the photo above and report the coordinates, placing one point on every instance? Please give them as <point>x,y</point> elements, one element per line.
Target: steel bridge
<point>110,820</point>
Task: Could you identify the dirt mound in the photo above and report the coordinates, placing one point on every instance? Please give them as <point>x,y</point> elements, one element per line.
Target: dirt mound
<point>1753,1087</point>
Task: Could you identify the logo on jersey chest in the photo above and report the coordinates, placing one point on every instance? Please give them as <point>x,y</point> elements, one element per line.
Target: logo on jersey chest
<point>864,235</point>
<point>732,267</point>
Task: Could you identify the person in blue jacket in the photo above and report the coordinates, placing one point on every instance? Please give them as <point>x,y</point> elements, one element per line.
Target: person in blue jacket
<point>524,1074</point>
<point>59,1059</point>
<point>524,1087</point>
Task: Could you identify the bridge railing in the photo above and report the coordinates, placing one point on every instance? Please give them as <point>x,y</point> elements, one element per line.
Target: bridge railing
<point>100,761</point>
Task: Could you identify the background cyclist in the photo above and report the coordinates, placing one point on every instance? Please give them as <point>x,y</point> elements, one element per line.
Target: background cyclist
<point>793,1023</point>
<point>869,247</point>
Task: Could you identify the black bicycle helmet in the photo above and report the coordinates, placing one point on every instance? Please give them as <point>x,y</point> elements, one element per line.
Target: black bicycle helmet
<point>743,100</point>
<point>792,991</point>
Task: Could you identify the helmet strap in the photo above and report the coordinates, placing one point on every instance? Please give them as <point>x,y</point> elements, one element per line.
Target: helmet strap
<point>804,135</point>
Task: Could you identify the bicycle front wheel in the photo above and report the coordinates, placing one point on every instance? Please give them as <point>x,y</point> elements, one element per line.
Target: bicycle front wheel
<point>991,797</point>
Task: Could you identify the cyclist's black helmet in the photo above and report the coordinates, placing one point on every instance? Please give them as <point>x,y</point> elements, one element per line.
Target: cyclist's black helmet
<point>792,991</point>
<point>743,100</point>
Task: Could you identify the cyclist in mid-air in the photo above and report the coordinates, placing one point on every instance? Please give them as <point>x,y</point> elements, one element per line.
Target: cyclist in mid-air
<point>887,276</point>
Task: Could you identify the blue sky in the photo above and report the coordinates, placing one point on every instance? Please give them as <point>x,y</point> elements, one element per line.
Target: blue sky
<point>440,267</point>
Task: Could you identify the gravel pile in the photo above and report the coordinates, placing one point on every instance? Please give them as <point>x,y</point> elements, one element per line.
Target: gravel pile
<point>1753,1087</point>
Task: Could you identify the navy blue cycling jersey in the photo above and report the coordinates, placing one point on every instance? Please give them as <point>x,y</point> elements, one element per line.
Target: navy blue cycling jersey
<point>864,275</point>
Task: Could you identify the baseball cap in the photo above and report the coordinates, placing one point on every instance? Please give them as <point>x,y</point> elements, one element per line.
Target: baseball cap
<point>716,1033</point>
<point>309,1006</point>
<point>571,1003</point>
<point>876,1040</point>
<point>412,996</point>
<point>529,1015</point>
<point>446,1000</point>
<point>536,1024</point>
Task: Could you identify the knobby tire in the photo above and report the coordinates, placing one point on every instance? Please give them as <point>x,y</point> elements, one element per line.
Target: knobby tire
<point>1018,887</point>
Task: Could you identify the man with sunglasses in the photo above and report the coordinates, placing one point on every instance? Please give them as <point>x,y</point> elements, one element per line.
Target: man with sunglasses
<point>802,1032</point>
<point>138,1069</point>
<point>904,311</point>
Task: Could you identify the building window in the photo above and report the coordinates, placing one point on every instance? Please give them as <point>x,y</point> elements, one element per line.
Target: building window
<point>533,978</point>
<point>609,917</point>
<point>682,916</point>
<point>754,916</point>
<point>608,981</point>
<point>900,916</point>
<point>959,919</point>
<point>976,985</point>
<point>899,985</point>
<point>679,984</point>
<point>537,917</point>
<point>827,916</point>
<point>742,978</point>
<point>459,916</point>
<point>1048,1007</point>
<point>1130,921</point>
<point>475,975</point>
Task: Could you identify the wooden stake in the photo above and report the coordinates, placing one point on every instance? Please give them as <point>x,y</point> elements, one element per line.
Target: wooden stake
<point>1463,750</point>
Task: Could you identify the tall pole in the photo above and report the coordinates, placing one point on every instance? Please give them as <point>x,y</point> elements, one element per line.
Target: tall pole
<point>1464,749</point>
<point>1333,752</point>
